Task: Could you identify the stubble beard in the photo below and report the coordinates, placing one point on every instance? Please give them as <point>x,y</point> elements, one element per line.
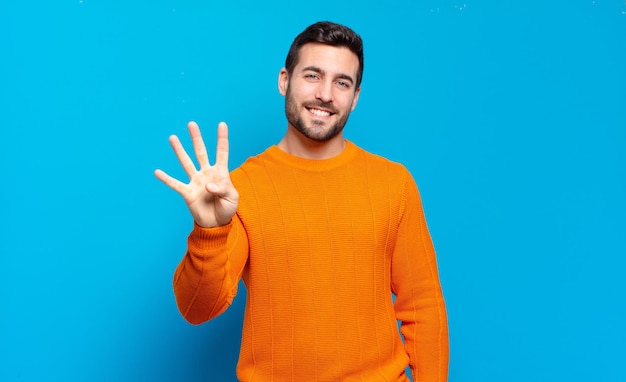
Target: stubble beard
<point>311,132</point>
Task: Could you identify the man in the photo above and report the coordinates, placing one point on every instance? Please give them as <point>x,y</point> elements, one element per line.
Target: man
<point>322,234</point>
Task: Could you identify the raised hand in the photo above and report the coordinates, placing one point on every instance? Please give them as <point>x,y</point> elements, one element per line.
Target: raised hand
<point>210,195</point>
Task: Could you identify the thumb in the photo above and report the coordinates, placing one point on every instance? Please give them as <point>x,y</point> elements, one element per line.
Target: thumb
<point>221,190</point>
<point>213,188</point>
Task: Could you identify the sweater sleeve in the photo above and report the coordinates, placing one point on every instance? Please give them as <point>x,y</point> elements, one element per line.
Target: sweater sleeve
<point>419,303</point>
<point>206,279</point>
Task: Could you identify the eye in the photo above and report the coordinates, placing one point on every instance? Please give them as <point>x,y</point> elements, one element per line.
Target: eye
<point>343,84</point>
<point>311,76</point>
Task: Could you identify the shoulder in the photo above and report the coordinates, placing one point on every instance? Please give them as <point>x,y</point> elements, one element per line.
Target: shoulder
<point>378,162</point>
<point>253,167</point>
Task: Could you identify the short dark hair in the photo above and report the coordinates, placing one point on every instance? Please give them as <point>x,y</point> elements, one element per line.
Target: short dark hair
<point>328,33</point>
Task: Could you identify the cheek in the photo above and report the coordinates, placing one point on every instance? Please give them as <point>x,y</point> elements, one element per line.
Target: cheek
<point>348,103</point>
<point>303,89</point>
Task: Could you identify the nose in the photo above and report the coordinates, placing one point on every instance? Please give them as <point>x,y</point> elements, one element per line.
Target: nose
<point>325,91</point>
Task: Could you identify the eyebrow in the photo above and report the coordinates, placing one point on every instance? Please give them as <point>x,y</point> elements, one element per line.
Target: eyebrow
<point>322,71</point>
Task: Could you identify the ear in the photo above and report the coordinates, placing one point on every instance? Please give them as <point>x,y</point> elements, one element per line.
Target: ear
<point>356,98</point>
<point>283,81</point>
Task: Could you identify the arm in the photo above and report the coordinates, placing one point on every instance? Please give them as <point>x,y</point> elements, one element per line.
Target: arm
<point>419,301</point>
<point>206,279</point>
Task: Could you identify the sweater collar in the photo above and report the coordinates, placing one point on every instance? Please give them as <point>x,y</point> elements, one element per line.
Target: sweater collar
<point>313,165</point>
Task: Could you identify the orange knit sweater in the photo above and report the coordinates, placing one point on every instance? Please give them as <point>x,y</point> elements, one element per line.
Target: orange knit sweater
<point>321,246</point>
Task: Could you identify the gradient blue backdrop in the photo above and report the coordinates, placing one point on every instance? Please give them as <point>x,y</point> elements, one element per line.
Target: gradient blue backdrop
<point>510,115</point>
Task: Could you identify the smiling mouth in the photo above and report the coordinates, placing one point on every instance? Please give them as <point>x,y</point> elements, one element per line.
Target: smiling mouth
<point>319,112</point>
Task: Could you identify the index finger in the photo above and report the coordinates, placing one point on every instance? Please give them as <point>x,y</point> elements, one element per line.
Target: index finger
<point>198,144</point>
<point>221,156</point>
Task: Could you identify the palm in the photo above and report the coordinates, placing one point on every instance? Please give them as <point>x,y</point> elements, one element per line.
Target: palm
<point>210,195</point>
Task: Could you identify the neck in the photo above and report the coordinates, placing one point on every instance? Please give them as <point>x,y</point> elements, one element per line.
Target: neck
<point>296,144</point>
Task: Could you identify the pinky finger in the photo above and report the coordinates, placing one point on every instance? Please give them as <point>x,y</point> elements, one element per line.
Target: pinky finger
<point>172,183</point>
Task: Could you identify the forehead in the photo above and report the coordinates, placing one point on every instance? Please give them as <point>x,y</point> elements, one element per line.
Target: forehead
<point>331,59</point>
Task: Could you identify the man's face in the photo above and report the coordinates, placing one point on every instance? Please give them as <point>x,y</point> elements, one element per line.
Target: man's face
<point>321,91</point>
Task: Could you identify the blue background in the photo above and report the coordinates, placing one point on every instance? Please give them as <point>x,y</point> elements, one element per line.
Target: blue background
<point>510,115</point>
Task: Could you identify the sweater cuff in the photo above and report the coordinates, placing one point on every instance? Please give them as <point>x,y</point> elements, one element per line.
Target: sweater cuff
<point>212,238</point>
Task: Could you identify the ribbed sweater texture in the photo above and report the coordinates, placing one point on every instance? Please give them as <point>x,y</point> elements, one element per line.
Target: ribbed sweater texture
<point>321,246</point>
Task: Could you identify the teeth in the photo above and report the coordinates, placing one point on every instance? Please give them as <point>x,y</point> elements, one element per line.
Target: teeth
<point>319,113</point>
